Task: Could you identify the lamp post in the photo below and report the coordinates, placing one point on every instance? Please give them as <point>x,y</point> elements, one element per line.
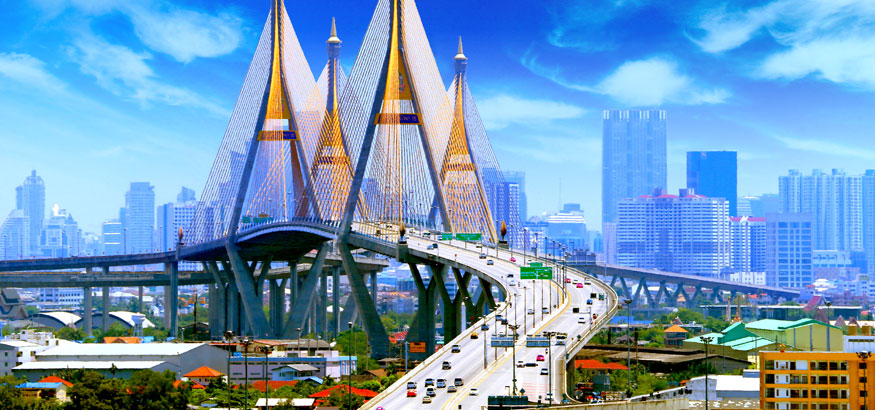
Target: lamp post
<point>514,329</point>
<point>706,340</point>
<point>266,351</point>
<point>525,244</point>
<point>628,303</point>
<point>349,370</point>
<point>229,336</point>
<point>550,366</point>
<point>246,343</point>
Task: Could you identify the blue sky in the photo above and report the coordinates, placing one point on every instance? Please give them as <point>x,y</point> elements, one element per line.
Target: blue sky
<point>95,94</point>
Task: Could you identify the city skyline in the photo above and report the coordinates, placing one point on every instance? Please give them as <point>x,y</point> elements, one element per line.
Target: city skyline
<point>158,111</point>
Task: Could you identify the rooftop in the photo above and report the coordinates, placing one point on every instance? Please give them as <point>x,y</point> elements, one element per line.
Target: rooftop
<point>204,371</point>
<point>116,349</point>
<point>99,365</point>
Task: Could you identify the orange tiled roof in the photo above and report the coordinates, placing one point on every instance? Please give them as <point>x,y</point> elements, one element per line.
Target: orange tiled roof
<point>676,329</point>
<point>55,379</point>
<point>204,372</point>
<point>122,339</point>
<point>194,385</point>
<point>274,384</point>
<point>597,365</point>
<point>358,392</point>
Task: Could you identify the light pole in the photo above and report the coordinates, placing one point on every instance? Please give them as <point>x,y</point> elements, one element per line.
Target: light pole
<point>525,244</point>
<point>525,316</point>
<point>229,336</point>
<point>266,351</point>
<point>550,366</point>
<point>514,329</point>
<point>707,340</point>
<point>349,371</point>
<point>628,303</point>
<point>246,343</point>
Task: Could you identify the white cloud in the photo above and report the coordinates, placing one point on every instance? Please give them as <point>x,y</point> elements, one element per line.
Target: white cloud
<point>184,34</point>
<point>827,148</point>
<point>649,82</point>
<point>126,73</point>
<point>502,110</point>
<point>28,70</point>
<point>831,39</point>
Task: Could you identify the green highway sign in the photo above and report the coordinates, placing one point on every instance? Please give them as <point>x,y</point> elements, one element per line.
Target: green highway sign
<point>446,237</point>
<point>469,236</point>
<point>536,272</point>
<point>536,264</point>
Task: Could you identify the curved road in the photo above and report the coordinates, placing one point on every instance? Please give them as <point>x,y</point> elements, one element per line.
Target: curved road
<point>496,377</point>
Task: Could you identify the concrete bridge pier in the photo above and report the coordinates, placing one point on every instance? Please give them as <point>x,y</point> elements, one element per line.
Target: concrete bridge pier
<point>335,295</point>
<point>172,299</point>
<point>422,328</point>
<point>377,336</point>
<point>463,302</point>
<point>303,303</point>
<point>449,312</point>
<point>256,321</point>
<point>86,309</point>
<point>218,302</point>
<point>322,311</point>
<point>104,305</point>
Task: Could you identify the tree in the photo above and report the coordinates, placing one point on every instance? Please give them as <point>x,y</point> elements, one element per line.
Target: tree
<point>346,401</point>
<point>69,333</point>
<point>155,391</point>
<point>94,392</point>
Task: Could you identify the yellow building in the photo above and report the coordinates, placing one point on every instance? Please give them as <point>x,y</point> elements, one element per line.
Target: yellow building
<point>803,334</point>
<point>816,381</point>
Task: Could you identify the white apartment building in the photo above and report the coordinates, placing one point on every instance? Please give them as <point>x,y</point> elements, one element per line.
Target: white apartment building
<point>15,352</point>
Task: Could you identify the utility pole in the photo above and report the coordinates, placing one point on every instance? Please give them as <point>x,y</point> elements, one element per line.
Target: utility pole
<point>707,340</point>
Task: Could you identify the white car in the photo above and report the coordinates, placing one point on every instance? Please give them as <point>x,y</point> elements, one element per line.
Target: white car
<point>473,392</point>
<point>511,282</point>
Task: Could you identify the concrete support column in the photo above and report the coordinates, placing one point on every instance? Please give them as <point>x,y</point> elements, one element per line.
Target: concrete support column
<point>86,309</point>
<point>275,307</point>
<point>104,325</point>
<point>304,304</point>
<point>374,287</point>
<point>322,311</point>
<point>216,307</point>
<point>252,306</point>
<point>335,294</point>
<point>377,336</point>
<point>174,299</point>
<point>422,329</point>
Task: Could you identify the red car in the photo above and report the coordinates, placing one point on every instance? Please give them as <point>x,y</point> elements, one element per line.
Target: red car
<point>512,259</point>
<point>411,393</point>
<point>567,280</point>
<point>540,358</point>
<point>580,285</point>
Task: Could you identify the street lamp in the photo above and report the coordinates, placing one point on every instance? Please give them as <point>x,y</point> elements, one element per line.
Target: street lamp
<point>706,340</point>
<point>246,343</point>
<point>550,366</point>
<point>628,303</point>
<point>349,370</point>
<point>265,350</point>
<point>229,336</point>
<point>514,329</point>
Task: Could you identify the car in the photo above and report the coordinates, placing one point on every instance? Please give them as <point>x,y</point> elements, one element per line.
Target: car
<point>595,316</point>
<point>587,282</point>
<point>411,385</point>
<point>545,310</point>
<point>579,285</point>
<point>561,336</point>
<point>531,364</point>
<point>455,349</point>
<point>429,382</point>
<point>520,363</point>
<point>432,246</point>
<point>509,275</point>
<point>581,320</point>
<point>473,392</point>
<point>589,301</point>
<point>441,383</point>
<point>490,262</point>
<point>426,400</point>
<point>540,358</point>
<point>482,256</point>
<point>601,296</point>
<point>451,389</point>
<point>411,393</point>
<point>567,280</point>
<point>548,397</point>
<point>430,392</point>
<point>458,381</point>
<point>479,246</point>
<point>484,327</point>
<point>504,321</point>
<point>474,335</point>
<point>446,365</point>
<point>544,371</point>
<point>511,282</point>
<point>530,311</point>
<point>512,259</point>
<point>498,318</point>
<point>560,342</point>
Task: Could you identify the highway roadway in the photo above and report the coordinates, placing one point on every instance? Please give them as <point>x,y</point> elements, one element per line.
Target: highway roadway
<point>496,377</point>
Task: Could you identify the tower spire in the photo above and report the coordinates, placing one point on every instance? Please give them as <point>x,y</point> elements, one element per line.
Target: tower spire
<point>460,61</point>
<point>333,38</point>
<point>460,55</point>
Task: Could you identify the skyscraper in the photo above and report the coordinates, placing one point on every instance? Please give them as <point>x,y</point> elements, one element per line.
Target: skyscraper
<point>519,178</point>
<point>14,236</point>
<point>139,217</point>
<point>60,237</point>
<point>112,238</point>
<point>789,250</point>
<point>714,174</point>
<point>868,182</point>
<point>186,195</point>
<point>30,197</point>
<point>633,156</point>
<point>172,216</point>
<point>834,200</point>
<point>748,243</point>
<point>684,233</point>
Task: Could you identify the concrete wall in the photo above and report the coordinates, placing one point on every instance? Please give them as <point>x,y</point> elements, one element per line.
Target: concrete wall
<point>672,404</point>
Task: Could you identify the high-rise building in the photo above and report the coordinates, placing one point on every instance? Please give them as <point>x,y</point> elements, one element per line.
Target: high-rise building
<point>714,174</point>
<point>172,217</point>
<point>519,178</point>
<point>15,236</point>
<point>568,227</point>
<point>868,182</point>
<point>684,233</point>
<point>748,243</point>
<point>113,238</point>
<point>609,242</point>
<point>30,197</point>
<point>60,237</point>
<point>789,240</point>
<point>633,156</point>
<point>139,217</point>
<point>835,201</point>
<point>185,195</point>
